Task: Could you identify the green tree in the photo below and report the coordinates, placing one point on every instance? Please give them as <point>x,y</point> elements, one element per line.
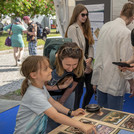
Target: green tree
<point>20,8</point>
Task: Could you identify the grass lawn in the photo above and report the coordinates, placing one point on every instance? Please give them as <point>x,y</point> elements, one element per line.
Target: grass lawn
<point>40,41</point>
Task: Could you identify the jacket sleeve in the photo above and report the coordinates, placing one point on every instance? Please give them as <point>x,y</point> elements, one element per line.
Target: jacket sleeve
<point>91,51</point>
<point>73,35</point>
<point>98,67</point>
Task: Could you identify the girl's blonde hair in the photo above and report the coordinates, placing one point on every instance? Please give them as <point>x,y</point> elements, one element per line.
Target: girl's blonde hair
<point>86,26</point>
<point>29,65</point>
<point>70,50</point>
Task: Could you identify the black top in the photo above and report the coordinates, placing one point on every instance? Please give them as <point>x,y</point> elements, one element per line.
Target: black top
<point>31,28</point>
<point>86,48</point>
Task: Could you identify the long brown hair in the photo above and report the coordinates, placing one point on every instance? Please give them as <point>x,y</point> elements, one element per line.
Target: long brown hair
<point>128,10</point>
<point>71,50</point>
<point>86,26</point>
<point>30,64</point>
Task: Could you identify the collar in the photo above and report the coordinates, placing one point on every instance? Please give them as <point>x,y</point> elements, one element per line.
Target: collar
<point>76,25</point>
<point>121,21</point>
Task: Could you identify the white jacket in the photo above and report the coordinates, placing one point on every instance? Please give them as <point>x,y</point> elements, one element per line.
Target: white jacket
<point>114,45</point>
<point>76,34</point>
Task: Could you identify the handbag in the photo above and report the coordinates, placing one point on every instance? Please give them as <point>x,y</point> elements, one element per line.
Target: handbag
<point>8,39</point>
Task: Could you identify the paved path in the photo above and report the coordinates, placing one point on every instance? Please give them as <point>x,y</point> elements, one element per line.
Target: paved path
<point>10,78</point>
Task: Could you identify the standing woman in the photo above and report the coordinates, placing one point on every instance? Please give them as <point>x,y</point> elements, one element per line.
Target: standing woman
<point>79,30</point>
<point>16,39</point>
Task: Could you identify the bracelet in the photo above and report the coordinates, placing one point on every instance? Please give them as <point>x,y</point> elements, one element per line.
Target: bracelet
<point>58,86</point>
<point>69,112</point>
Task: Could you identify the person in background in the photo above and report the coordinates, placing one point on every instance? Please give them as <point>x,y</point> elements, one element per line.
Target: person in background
<point>79,30</point>
<point>131,60</point>
<point>114,45</point>
<point>37,104</point>
<point>31,35</point>
<point>16,39</point>
<point>69,66</point>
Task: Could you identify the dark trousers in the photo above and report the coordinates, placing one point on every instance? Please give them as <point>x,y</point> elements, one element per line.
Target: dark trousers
<point>79,91</point>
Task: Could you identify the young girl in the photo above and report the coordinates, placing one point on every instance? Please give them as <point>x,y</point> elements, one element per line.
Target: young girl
<point>37,104</point>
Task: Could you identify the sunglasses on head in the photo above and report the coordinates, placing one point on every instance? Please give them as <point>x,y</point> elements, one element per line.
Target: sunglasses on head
<point>70,50</point>
<point>83,14</point>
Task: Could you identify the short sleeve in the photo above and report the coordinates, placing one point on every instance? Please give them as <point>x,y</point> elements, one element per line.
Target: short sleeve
<point>23,28</point>
<point>40,102</point>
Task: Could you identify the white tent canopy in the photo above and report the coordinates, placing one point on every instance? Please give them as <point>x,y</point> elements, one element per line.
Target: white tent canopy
<point>64,10</point>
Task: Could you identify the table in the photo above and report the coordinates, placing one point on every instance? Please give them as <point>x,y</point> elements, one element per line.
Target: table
<point>107,121</point>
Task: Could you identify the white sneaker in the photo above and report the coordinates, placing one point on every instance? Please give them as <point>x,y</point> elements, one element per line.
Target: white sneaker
<point>19,63</point>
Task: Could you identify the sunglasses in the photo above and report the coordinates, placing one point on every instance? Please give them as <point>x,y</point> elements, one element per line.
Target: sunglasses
<point>70,50</point>
<point>83,15</point>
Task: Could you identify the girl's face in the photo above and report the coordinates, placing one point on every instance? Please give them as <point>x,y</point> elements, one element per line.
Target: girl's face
<point>69,64</point>
<point>46,72</point>
<point>43,74</point>
<point>82,16</point>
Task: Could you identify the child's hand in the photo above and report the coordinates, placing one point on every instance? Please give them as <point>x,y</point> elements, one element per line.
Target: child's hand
<point>88,129</point>
<point>78,112</point>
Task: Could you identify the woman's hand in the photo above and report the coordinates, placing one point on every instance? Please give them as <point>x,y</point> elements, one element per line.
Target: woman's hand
<point>88,68</point>
<point>78,112</point>
<point>88,62</point>
<point>94,87</point>
<point>66,83</point>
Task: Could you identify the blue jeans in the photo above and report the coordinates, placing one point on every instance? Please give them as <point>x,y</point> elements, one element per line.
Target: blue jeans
<point>110,101</point>
<point>32,47</point>
<point>69,104</point>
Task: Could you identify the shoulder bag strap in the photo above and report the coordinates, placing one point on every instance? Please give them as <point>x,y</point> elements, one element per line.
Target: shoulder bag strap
<point>10,29</point>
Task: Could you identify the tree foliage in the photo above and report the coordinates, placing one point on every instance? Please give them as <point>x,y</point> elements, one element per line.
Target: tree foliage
<point>20,8</point>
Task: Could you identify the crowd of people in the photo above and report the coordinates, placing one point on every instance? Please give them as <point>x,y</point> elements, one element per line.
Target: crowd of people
<point>17,29</point>
<point>47,97</point>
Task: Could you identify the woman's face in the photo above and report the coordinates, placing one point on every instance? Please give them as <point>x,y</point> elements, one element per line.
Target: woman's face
<point>69,64</point>
<point>82,16</point>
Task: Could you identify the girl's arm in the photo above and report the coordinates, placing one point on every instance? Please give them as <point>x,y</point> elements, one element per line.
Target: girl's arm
<point>63,109</point>
<point>63,119</point>
<point>67,93</point>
